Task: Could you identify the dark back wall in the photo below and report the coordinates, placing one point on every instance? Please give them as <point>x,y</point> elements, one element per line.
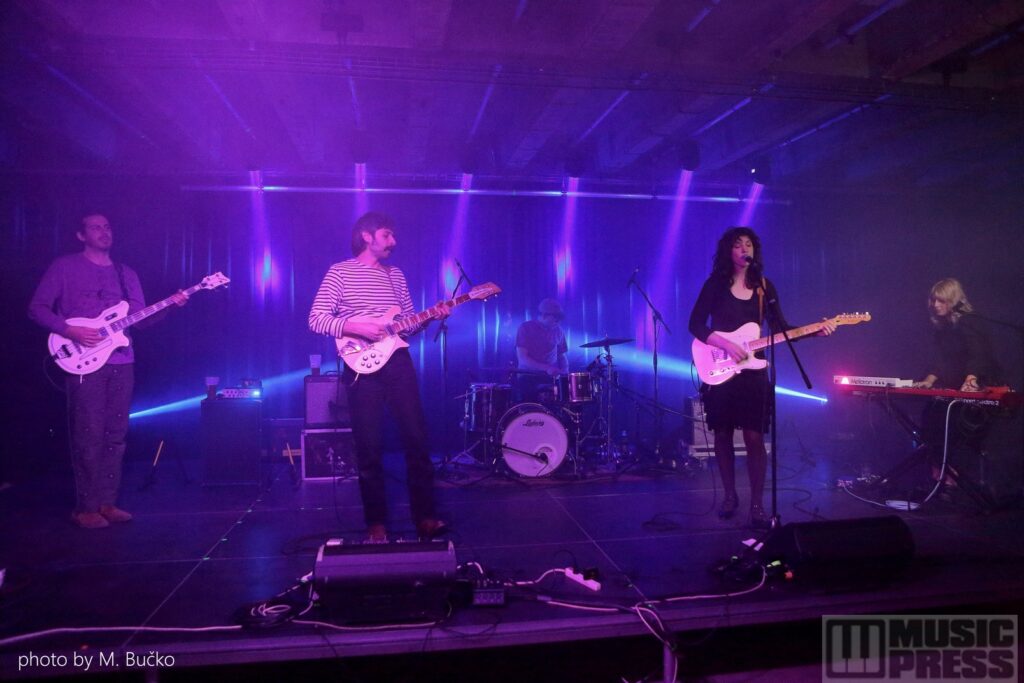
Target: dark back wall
<point>827,252</point>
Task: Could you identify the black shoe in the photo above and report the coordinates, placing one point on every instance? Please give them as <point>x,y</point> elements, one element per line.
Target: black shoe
<point>729,507</point>
<point>758,519</point>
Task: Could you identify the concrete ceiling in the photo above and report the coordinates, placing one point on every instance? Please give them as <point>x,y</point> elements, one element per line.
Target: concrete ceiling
<point>865,93</point>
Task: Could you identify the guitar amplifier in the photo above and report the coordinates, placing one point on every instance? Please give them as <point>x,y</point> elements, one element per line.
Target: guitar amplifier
<point>701,440</point>
<point>326,402</point>
<point>231,440</point>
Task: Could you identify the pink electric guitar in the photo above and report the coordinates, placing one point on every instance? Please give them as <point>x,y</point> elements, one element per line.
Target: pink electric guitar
<point>714,366</point>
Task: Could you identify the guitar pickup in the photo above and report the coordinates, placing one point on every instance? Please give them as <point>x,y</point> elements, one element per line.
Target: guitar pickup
<point>351,347</point>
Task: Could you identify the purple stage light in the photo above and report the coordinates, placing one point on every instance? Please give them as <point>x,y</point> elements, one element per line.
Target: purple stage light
<point>753,197</point>
<point>265,276</point>
<point>666,259</point>
<point>362,202</point>
<point>563,252</point>
<point>450,273</point>
<point>323,189</point>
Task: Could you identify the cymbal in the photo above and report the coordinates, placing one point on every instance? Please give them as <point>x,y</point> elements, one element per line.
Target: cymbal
<point>607,341</point>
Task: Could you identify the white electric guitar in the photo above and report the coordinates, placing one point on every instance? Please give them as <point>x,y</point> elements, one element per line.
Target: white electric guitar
<point>714,366</point>
<point>365,357</point>
<point>111,324</point>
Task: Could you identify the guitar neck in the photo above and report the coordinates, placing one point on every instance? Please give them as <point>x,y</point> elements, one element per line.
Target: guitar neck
<point>779,338</point>
<point>414,321</point>
<point>152,309</point>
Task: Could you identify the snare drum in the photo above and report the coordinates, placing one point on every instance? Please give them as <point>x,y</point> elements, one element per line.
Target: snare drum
<point>533,442</point>
<point>485,403</point>
<point>574,387</point>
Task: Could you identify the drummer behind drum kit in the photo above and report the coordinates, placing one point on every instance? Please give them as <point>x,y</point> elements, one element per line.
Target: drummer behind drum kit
<point>571,420</point>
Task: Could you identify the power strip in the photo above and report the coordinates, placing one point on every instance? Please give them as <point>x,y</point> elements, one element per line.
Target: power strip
<point>591,584</point>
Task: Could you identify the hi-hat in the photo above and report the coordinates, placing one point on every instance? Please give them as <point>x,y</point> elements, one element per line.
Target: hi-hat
<point>607,341</point>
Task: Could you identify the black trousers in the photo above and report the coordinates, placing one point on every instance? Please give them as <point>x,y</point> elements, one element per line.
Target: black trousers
<point>393,387</point>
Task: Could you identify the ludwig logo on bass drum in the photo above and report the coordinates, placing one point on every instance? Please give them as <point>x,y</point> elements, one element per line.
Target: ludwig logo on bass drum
<point>531,422</point>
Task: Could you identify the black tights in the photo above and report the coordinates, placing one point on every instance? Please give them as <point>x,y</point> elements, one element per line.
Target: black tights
<point>757,462</point>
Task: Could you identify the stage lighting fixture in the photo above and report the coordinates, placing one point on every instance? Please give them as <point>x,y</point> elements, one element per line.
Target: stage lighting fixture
<point>761,170</point>
<point>688,155</point>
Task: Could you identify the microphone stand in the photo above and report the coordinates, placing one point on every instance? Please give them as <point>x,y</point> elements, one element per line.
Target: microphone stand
<point>442,334</point>
<point>655,320</point>
<point>774,319</point>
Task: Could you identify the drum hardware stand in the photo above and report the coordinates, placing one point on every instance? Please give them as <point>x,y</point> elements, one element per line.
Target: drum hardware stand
<point>576,417</point>
<point>656,318</point>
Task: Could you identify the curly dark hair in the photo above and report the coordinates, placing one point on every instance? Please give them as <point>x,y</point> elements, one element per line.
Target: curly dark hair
<point>370,222</point>
<point>721,264</point>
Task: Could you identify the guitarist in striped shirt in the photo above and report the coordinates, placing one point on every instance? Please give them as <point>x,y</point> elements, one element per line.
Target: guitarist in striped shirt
<point>354,289</point>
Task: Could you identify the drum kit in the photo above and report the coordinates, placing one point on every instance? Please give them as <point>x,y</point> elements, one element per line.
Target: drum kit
<point>568,422</point>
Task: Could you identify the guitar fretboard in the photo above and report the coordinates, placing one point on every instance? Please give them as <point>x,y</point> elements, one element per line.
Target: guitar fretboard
<point>414,321</point>
<point>795,333</point>
<point>135,317</point>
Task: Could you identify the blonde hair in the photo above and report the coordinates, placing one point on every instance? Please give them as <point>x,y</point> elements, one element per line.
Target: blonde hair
<point>950,290</point>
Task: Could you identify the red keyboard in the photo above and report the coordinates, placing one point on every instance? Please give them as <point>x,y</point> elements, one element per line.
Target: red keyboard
<point>990,396</point>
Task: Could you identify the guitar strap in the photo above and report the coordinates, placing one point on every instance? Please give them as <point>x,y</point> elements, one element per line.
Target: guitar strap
<point>120,280</point>
<point>760,302</point>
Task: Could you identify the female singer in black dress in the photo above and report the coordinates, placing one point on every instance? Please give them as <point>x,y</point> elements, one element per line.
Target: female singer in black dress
<point>736,294</point>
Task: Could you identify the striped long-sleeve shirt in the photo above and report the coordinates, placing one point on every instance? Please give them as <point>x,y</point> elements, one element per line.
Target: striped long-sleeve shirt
<point>353,289</point>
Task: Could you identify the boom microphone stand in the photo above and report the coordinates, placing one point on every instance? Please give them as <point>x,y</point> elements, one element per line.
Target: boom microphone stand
<point>655,320</point>
<point>442,334</point>
<point>774,318</point>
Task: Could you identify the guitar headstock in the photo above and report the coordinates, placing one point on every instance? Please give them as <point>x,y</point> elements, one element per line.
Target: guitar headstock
<point>214,281</point>
<point>484,291</point>
<point>851,318</point>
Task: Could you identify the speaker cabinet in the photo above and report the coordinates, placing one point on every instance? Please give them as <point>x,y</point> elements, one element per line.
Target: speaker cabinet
<point>843,554</point>
<point>326,401</point>
<point>231,440</point>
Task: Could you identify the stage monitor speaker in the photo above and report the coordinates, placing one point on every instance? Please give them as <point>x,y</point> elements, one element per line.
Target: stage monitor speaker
<point>326,401</point>
<point>231,440</point>
<point>385,582</point>
<point>843,554</point>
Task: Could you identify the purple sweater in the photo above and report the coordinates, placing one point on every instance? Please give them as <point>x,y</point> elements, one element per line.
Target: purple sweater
<point>75,287</point>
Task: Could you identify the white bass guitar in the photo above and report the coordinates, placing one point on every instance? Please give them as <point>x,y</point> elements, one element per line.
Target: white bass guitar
<point>83,360</point>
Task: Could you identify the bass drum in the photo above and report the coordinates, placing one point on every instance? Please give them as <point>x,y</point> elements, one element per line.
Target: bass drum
<point>533,442</point>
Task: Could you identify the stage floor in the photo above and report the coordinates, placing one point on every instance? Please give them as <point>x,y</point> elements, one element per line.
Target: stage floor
<point>194,555</point>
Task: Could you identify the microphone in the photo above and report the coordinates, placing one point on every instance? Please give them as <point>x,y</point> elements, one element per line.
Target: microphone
<point>632,278</point>
<point>748,258</point>
<point>463,272</point>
